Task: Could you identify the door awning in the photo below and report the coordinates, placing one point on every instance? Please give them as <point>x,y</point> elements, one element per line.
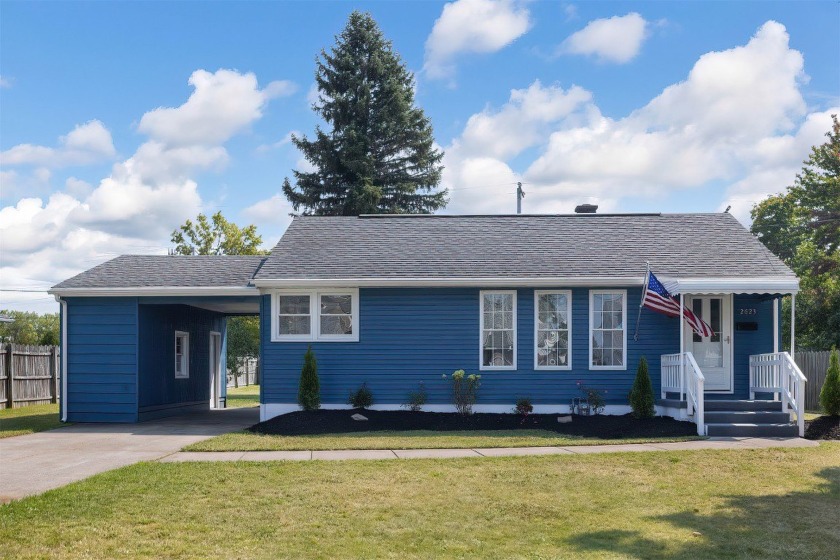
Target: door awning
<point>784,285</point>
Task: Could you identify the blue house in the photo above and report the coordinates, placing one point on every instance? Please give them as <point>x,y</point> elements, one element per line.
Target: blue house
<point>540,305</point>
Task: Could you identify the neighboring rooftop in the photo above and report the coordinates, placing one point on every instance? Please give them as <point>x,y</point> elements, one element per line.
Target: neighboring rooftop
<point>394,247</point>
<point>149,271</point>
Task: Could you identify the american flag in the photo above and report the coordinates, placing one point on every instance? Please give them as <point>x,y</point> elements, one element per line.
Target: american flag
<point>656,297</point>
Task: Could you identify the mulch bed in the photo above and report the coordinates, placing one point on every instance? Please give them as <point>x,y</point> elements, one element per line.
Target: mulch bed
<point>339,422</point>
<point>824,427</point>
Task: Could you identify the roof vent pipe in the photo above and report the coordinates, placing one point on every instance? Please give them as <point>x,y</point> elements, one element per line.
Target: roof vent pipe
<point>586,208</point>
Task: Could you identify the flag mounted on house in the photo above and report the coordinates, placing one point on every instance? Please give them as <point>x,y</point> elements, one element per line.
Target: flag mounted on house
<point>657,298</point>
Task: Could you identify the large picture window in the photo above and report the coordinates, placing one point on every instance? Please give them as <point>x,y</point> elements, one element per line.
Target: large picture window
<point>498,330</point>
<point>315,315</point>
<point>607,329</point>
<point>552,336</point>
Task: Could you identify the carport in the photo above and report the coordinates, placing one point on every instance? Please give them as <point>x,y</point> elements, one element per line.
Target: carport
<point>145,336</point>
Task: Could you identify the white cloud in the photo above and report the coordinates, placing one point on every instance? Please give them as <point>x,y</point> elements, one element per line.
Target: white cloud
<point>285,141</point>
<point>738,119</point>
<point>87,143</point>
<point>616,39</point>
<point>143,199</point>
<point>222,104</point>
<point>5,82</point>
<point>473,26</point>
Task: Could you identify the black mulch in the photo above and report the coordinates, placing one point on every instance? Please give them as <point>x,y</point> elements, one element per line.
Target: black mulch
<point>824,427</point>
<point>339,421</point>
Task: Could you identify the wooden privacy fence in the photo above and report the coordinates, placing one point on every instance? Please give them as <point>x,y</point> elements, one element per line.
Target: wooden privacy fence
<point>28,375</point>
<point>813,365</point>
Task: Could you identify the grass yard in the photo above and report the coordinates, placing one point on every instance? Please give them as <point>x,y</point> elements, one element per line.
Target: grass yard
<point>242,397</point>
<point>770,503</point>
<point>28,420</point>
<point>415,439</point>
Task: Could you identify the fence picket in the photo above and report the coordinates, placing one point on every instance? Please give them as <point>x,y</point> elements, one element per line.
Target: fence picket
<point>814,366</point>
<point>28,375</point>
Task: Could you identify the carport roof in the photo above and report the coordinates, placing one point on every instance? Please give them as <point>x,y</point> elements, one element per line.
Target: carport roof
<point>220,272</point>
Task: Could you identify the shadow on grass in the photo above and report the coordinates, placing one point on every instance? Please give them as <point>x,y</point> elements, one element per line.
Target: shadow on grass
<point>796,524</point>
<point>18,425</point>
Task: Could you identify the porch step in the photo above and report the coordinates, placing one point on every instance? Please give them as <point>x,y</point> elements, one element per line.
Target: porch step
<point>746,417</point>
<point>731,406</point>
<point>752,430</point>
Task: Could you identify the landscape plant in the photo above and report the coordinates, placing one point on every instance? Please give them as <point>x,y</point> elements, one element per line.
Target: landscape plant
<point>641,395</point>
<point>309,391</point>
<point>361,397</point>
<point>523,406</point>
<point>464,390</point>
<point>416,399</point>
<point>830,393</point>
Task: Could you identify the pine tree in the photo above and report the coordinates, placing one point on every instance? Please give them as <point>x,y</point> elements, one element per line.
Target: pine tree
<point>830,393</point>
<point>641,395</point>
<point>379,156</point>
<point>309,391</point>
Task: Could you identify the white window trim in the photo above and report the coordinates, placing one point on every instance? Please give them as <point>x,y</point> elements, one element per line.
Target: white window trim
<point>315,315</point>
<point>537,294</point>
<point>591,325</point>
<point>185,353</point>
<point>481,365</point>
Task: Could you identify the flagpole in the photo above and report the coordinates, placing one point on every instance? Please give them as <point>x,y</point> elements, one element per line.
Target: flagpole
<point>642,301</point>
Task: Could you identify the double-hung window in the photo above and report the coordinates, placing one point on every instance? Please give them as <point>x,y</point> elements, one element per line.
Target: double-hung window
<point>182,355</point>
<point>553,329</point>
<point>498,330</point>
<point>607,329</point>
<point>315,315</point>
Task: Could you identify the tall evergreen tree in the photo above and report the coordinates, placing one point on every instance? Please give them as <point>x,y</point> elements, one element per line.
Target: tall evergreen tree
<point>379,156</point>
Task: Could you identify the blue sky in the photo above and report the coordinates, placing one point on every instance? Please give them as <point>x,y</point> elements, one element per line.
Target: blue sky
<point>638,106</point>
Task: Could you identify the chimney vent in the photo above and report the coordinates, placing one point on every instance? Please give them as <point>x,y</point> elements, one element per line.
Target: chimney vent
<point>586,208</point>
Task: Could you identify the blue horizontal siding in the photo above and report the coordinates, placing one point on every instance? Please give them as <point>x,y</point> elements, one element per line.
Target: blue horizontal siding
<point>101,359</point>
<point>413,335</point>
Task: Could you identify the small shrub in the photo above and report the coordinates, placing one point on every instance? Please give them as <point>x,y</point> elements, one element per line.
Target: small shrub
<point>523,407</point>
<point>361,397</point>
<point>416,399</point>
<point>830,393</point>
<point>464,390</point>
<point>309,391</point>
<point>641,395</point>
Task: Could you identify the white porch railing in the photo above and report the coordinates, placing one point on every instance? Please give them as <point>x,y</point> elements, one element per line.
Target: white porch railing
<point>777,373</point>
<point>681,374</point>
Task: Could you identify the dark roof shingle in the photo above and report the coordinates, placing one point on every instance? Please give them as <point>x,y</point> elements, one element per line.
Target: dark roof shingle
<point>519,246</point>
<point>142,271</point>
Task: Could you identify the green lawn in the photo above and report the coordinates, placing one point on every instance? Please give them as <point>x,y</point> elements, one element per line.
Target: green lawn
<point>243,396</point>
<point>28,420</point>
<point>419,439</point>
<point>769,503</point>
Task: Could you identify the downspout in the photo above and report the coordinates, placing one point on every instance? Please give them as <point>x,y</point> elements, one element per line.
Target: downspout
<point>64,352</point>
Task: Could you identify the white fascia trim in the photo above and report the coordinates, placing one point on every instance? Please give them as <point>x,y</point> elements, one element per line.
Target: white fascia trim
<point>157,291</point>
<point>270,410</point>
<point>756,285</point>
<point>546,282</point>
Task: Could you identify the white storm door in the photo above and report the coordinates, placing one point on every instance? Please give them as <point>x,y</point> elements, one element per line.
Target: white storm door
<point>712,353</point>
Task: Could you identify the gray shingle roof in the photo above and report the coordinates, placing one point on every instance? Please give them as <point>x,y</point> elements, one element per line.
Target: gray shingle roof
<point>134,271</point>
<point>524,246</point>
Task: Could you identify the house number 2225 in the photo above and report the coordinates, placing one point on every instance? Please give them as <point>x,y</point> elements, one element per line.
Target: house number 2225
<point>748,311</point>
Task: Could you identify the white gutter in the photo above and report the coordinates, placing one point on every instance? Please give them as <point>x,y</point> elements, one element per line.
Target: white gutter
<point>594,281</point>
<point>156,291</point>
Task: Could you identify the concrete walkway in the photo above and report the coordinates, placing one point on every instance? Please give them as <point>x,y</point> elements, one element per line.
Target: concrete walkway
<point>712,443</point>
<point>34,463</point>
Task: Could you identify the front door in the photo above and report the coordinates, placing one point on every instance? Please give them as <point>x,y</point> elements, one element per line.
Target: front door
<point>215,369</point>
<point>712,353</point>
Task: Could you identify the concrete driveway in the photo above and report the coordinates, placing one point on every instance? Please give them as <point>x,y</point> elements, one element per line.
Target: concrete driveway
<point>35,463</point>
